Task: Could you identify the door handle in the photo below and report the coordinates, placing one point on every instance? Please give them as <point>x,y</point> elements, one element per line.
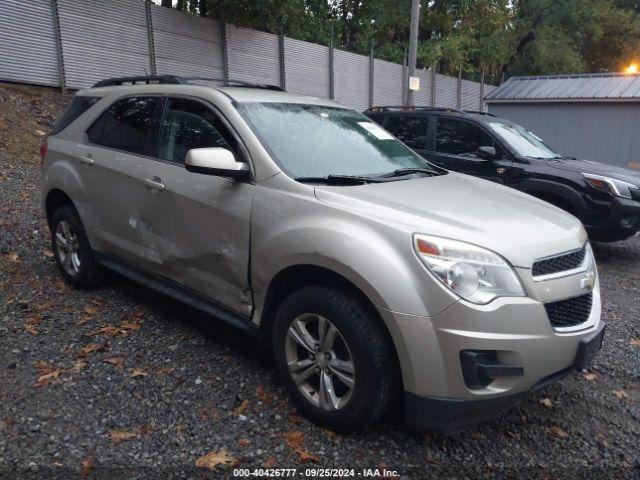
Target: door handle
<point>87,160</point>
<point>154,183</point>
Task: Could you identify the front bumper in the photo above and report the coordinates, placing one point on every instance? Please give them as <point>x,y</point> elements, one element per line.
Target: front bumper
<point>515,330</point>
<point>455,414</point>
<point>621,221</point>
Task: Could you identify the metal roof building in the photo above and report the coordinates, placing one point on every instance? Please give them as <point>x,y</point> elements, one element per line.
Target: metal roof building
<point>591,116</point>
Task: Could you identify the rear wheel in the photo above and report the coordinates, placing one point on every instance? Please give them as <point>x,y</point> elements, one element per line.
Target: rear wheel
<point>72,250</point>
<point>336,360</point>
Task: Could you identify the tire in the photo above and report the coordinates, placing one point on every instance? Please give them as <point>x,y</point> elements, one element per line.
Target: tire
<point>74,259</point>
<point>360,338</point>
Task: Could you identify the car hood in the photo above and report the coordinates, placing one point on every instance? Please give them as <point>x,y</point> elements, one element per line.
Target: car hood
<point>519,227</point>
<point>587,166</point>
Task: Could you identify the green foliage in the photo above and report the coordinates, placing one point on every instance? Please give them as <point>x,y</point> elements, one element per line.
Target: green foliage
<point>503,37</point>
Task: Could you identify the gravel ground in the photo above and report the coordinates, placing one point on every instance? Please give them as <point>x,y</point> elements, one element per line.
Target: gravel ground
<point>120,381</point>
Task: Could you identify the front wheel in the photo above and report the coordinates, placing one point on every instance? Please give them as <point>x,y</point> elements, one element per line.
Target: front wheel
<point>335,358</point>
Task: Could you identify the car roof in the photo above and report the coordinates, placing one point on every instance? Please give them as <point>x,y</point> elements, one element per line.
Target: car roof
<point>236,91</point>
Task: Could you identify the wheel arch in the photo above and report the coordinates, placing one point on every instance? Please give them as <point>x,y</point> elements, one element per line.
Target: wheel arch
<point>55,199</point>
<point>294,277</point>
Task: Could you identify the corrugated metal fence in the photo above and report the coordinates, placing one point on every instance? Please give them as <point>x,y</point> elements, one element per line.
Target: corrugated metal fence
<point>74,43</point>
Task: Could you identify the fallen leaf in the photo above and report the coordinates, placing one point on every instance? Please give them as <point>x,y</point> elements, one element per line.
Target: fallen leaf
<point>293,439</point>
<point>83,320</point>
<point>212,459</point>
<point>557,432</point>
<point>87,465</point>
<point>79,365</point>
<point>115,361</point>
<point>97,302</point>
<point>590,376</point>
<point>270,463</point>
<point>108,330</point>
<point>243,442</point>
<point>546,402</point>
<point>241,408</point>
<point>48,253</point>
<point>307,457</point>
<point>40,133</point>
<point>31,329</point>
<point>13,257</point>
<point>91,348</point>
<point>118,436</point>
<point>91,310</point>
<point>165,370</point>
<point>44,306</point>
<point>620,393</point>
<point>635,342</point>
<point>130,326</point>
<point>44,367</point>
<point>262,394</point>
<point>35,320</point>
<point>138,372</point>
<point>43,380</point>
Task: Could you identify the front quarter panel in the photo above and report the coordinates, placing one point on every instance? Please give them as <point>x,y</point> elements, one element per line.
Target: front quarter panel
<point>290,227</point>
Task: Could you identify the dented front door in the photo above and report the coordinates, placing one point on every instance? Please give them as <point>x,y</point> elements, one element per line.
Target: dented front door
<point>194,230</point>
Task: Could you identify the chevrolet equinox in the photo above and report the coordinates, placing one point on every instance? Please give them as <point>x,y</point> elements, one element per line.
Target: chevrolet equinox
<point>371,273</point>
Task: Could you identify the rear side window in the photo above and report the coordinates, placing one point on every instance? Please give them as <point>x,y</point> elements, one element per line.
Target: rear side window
<point>411,130</point>
<point>130,124</point>
<point>188,124</point>
<point>458,137</point>
<point>77,107</point>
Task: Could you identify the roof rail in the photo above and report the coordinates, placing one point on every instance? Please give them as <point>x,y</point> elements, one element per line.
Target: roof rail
<point>233,83</point>
<point>400,108</point>
<point>478,112</point>
<point>146,79</point>
<point>178,80</point>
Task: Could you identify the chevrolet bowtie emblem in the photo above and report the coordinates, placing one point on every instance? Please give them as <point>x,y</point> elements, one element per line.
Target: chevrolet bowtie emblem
<point>588,281</point>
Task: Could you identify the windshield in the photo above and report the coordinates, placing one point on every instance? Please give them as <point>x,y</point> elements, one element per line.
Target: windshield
<point>318,141</point>
<point>523,141</point>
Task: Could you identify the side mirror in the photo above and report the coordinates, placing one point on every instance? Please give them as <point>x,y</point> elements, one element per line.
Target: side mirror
<point>215,161</point>
<point>488,153</point>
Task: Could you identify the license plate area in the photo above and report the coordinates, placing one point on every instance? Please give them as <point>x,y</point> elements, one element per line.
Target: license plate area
<point>588,348</point>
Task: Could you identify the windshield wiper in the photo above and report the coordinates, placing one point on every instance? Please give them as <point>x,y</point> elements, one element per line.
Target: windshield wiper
<point>337,179</point>
<point>408,171</point>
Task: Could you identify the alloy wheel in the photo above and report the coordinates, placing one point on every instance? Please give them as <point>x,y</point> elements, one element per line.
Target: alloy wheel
<point>68,247</point>
<point>320,362</point>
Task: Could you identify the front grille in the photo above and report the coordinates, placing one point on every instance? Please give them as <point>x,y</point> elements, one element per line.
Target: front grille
<point>571,312</point>
<point>558,264</point>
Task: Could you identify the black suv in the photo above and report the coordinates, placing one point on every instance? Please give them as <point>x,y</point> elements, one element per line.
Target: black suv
<point>605,198</point>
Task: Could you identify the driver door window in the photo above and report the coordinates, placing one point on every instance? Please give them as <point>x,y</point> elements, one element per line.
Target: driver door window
<point>188,124</point>
<point>456,137</point>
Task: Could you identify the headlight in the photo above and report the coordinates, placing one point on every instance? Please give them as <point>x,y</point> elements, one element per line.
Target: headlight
<point>474,273</point>
<point>613,186</point>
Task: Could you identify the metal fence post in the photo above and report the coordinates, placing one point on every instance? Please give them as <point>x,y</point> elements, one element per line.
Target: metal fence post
<point>481,100</point>
<point>58,40</point>
<point>371,73</point>
<point>283,73</point>
<point>459,90</point>
<point>434,79</point>
<point>405,77</point>
<point>223,47</point>
<point>152,46</point>
<point>331,66</point>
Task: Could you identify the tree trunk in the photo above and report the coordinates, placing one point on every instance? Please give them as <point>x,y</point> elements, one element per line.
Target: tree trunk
<point>167,3</point>
<point>202,9</point>
<point>180,6</point>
